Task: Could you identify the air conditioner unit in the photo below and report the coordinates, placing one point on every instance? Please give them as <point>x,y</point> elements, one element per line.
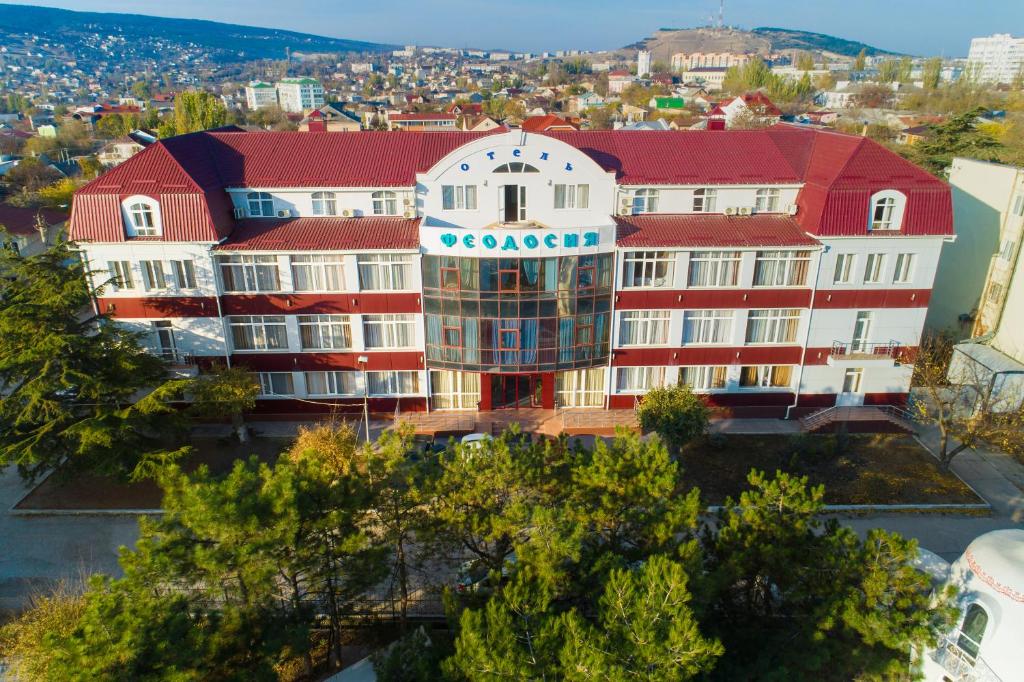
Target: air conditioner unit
<point>407,202</point>
<point>284,213</point>
<point>346,213</point>
<point>792,209</point>
<point>409,214</point>
<point>730,210</point>
<point>239,213</point>
<point>744,210</point>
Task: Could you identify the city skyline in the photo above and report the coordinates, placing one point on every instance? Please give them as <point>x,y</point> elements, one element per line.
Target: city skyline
<point>576,24</point>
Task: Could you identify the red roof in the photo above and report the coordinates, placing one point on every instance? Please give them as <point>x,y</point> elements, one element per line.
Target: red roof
<point>710,231</point>
<point>538,124</point>
<point>22,221</point>
<point>324,234</point>
<point>424,116</point>
<point>757,102</point>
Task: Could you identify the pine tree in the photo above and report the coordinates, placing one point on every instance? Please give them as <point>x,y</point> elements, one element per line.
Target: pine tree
<point>676,414</point>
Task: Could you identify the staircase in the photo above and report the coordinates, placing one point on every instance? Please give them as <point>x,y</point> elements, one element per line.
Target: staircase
<point>860,418</point>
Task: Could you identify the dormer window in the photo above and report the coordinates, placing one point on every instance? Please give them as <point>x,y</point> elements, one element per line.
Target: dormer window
<point>324,203</point>
<point>886,210</point>
<point>385,203</point>
<point>261,204</point>
<point>645,201</point>
<point>767,201</point>
<point>141,216</point>
<point>704,200</point>
<point>516,167</point>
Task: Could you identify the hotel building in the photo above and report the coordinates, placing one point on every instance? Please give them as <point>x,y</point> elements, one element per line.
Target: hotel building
<point>776,271</point>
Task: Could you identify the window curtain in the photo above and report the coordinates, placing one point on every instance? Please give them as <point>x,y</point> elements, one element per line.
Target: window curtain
<point>566,339</point>
<point>528,342</point>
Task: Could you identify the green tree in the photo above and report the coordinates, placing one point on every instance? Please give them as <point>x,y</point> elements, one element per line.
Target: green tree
<point>906,67</point>
<point>70,377</point>
<point>23,641</point>
<point>957,136</point>
<point>805,61</point>
<point>116,125</point>
<point>195,110</point>
<point>31,175</point>
<point>931,73</point>
<point>226,393</point>
<point>142,90</point>
<point>58,195</point>
<point>889,71</point>
<point>861,61</point>
<point>675,413</point>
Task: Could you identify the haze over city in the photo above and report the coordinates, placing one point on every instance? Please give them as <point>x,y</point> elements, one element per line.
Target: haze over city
<point>945,28</point>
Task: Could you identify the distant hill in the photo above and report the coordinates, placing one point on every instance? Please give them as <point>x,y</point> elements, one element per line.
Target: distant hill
<point>667,41</point>
<point>222,42</point>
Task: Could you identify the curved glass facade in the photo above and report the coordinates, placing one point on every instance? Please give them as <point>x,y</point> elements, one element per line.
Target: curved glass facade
<point>517,315</point>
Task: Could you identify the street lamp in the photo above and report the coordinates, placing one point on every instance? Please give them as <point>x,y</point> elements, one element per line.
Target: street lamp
<point>362,360</point>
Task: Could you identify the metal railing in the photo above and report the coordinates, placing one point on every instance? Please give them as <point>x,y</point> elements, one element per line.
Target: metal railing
<point>829,414</point>
<point>961,666</point>
<point>176,358</point>
<point>865,350</point>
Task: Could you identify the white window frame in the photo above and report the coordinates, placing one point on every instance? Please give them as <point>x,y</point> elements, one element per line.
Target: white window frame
<point>651,327</point>
<point>886,214</point>
<point>635,380</point>
<point>580,388</point>
<point>783,268</point>
<point>705,326</point>
<point>321,271</point>
<point>120,275</point>
<point>393,326</point>
<point>257,326</point>
<point>704,378</point>
<point>268,390</point>
<point>260,205</point>
<point>325,203</point>
<point>184,273</point>
<point>324,332</point>
<point>393,270</point>
<point>643,266</point>
<point>458,198</point>
<point>142,216</point>
<point>766,200</point>
<point>845,264</point>
<point>384,202</point>
<point>904,272</point>
<point>705,200</point>
<point>395,384</point>
<point>874,268</point>
<point>719,266</point>
<point>572,196</point>
<point>249,271</point>
<point>766,378</point>
<point>778,321</point>
<point>333,383</point>
<point>645,201</point>
<point>154,277</point>
<point>454,390</point>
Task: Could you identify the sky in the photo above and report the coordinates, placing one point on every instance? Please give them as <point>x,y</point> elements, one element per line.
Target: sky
<point>943,27</point>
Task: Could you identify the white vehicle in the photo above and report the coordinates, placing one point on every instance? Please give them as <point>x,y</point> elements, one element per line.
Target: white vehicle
<point>474,440</point>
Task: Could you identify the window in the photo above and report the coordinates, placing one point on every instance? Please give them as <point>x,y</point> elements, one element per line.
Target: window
<point>143,220</point>
<point>1007,249</point>
<point>1018,205</point>
<point>766,376</point>
<point>184,273</point>
<point>389,331</point>
<point>516,167</point>
<point>707,326</point>
<point>781,268</point>
<point>645,201</point>
<point>714,268</point>
<point>767,200</point>
<point>644,327</point>
<point>276,383</point>
<point>249,273</point>
<point>844,269</point>
<point>317,273</point>
<point>384,272</point>
<point>261,204</point>
<point>332,383</point>
<point>451,390</point>
<point>580,388</point>
<point>153,277</point>
<point>773,326</point>
<point>861,331</point>
<point>323,332</point>
<point>995,292</point>
<point>258,332</point>
<point>972,630</point>
<point>852,378</point>
<point>886,210</point>
<point>572,196</point>
<point>324,203</point>
<point>873,268</point>
<point>393,383</point>
<point>385,203</point>
<point>648,268</point>
<point>704,200</point>
<point>904,268</point>
<point>707,378</point>
<point>639,379</point>
<point>458,197</point>
<point>120,272</point>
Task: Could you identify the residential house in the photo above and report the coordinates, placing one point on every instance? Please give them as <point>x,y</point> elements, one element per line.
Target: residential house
<point>30,230</point>
<point>546,123</point>
<point>708,77</point>
<point>424,121</point>
<point>330,118</point>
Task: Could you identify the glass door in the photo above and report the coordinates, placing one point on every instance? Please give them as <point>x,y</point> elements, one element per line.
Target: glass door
<point>851,395</point>
<point>515,391</point>
<point>166,345</point>
<point>861,333</point>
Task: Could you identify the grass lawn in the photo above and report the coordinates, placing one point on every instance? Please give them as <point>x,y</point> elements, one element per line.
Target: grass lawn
<point>873,469</point>
<point>90,491</point>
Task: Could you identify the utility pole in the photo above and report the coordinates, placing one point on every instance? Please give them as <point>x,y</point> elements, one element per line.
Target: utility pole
<point>721,13</point>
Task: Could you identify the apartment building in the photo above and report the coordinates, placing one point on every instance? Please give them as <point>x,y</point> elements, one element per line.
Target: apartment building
<point>260,95</point>
<point>998,58</point>
<point>775,271</point>
<point>296,95</point>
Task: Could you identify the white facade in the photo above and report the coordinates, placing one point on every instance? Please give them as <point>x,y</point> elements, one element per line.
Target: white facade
<point>998,58</point>
<point>260,95</point>
<point>643,63</point>
<point>296,95</point>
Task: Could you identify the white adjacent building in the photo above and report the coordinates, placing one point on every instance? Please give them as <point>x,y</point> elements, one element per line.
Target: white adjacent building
<point>996,58</point>
<point>296,95</point>
<point>643,63</point>
<point>259,95</point>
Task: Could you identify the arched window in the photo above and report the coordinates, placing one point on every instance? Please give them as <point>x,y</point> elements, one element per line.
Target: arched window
<point>261,204</point>
<point>385,203</point>
<point>767,200</point>
<point>141,216</point>
<point>972,630</point>
<point>516,167</point>
<point>886,210</point>
<point>324,203</point>
<point>645,201</point>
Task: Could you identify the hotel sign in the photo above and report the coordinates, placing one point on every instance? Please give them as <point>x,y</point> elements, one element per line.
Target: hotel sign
<point>514,243</point>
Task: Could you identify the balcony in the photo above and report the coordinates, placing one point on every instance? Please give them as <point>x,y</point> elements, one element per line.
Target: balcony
<point>960,665</point>
<point>848,353</point>
<point>179,365</point>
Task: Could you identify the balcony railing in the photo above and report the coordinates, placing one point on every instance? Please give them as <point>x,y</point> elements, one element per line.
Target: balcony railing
<point>866,351</point>
<point>175,358</point>
<point>961,666</point>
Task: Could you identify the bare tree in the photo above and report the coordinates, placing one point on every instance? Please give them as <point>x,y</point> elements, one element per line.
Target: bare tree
<point>966,401</point>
